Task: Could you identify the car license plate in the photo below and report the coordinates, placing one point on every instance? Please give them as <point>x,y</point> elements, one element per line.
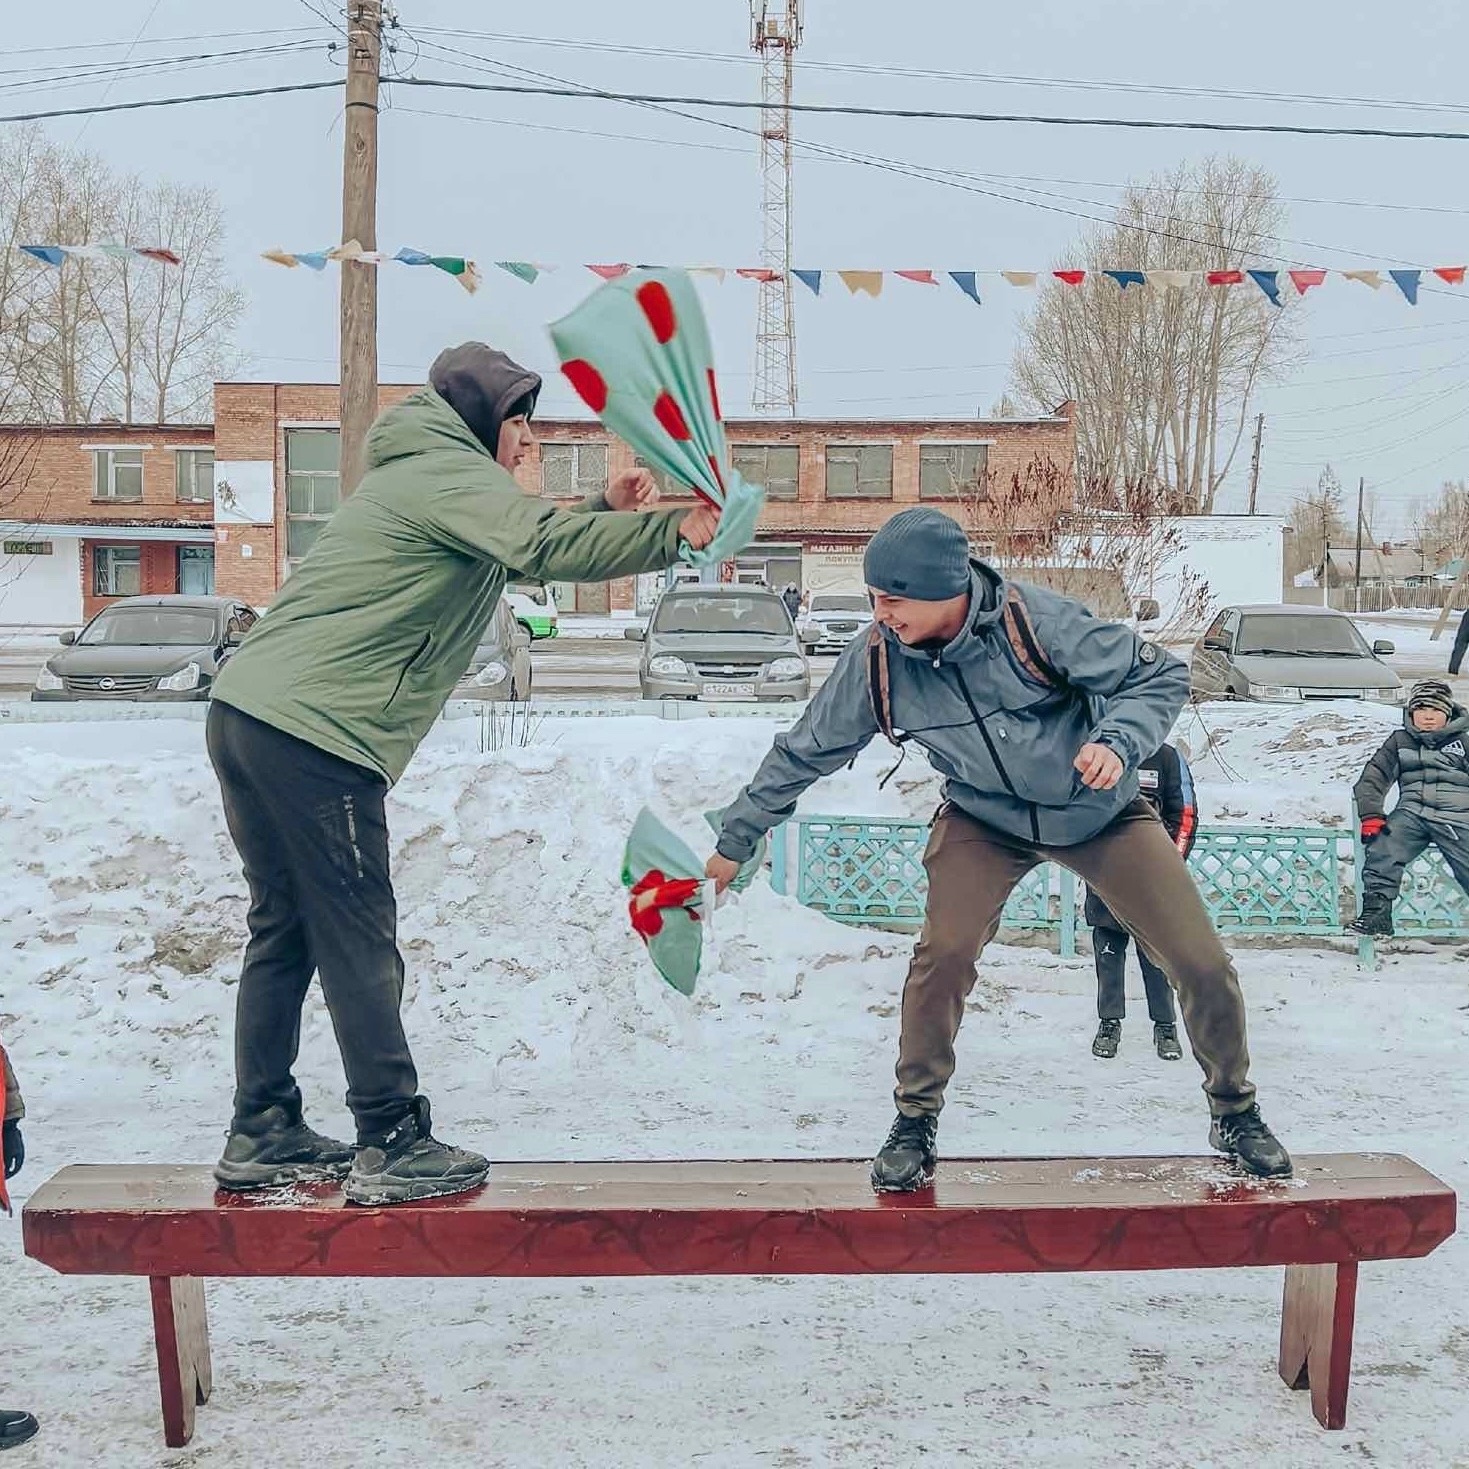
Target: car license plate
<point>728,691</point>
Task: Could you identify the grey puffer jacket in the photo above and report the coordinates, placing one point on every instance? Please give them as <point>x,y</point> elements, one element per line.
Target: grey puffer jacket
<point>1005,742</point>
<point>1429,767</point>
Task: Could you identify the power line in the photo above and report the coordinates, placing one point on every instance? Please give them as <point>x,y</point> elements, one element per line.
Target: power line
<point>157,66</point>
<point>158,41</point>
<point>98,108</point>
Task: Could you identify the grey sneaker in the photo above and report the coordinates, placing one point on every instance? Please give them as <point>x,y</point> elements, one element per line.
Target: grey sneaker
<point>275,1148</point>
<point>407,1163</point>
<point>16,1428</point>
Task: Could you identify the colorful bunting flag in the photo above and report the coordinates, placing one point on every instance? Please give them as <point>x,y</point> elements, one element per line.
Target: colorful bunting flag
<point>312,259</point>
<point>1225,277</point>
<point>717,271</point>
<point>967,282</point>
<point>1371,278</point>
<point>1407,282</point>
<point>1451,275</point>
<point>522,270</point>
<point>1069,277</point>
<point>809,278</point>
<point>758,273</point>
<point>1126,278</point>
<point>868,281</point>
<point>1269,282</point>
<point>51,254</point>
<point>1303,280</point>
<point>413,257</point>
<point>1021,277</point>
<point>922,277</point>
<point>609,272</point>
<point>1171,280</point>
<point>57,255</point>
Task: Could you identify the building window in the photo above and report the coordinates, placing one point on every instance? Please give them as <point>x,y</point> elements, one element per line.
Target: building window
<point>313,486</point>
<point>194,472</point>
<point>669,488</point>
<point>117,571</point>
<point>953,471</point>
<point>196,571</point>
<point>118,474</point>
<point>776,466</point>
<point>859,471</point>
<point>573,471</point>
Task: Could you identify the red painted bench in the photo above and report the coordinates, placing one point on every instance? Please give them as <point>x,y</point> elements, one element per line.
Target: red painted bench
<point>795,1217</point>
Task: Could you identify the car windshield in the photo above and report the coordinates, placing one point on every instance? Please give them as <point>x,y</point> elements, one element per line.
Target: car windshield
<point>183,627</point>
<point>533,594</point>
<point>831,602</point>
<point>764,615</point>
<point>1276,634</point>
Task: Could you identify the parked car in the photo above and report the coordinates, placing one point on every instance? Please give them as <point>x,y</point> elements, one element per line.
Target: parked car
<point>832,620</point>
<point>501,668</point>
<point>147,650</point>
<point>721,642</point>
<point>534,608</point>
<point>1282,654</point>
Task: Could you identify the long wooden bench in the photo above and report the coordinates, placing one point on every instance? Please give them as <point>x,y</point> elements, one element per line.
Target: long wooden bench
<point>793,1217</point>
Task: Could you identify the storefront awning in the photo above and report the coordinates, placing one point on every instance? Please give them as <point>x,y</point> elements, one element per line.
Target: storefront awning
<point>17,530</point>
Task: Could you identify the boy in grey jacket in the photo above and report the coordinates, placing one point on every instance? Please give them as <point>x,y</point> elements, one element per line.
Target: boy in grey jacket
<point>1037,714</point>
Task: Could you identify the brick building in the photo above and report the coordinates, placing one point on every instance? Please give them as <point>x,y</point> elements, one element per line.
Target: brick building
<point>272,451</point>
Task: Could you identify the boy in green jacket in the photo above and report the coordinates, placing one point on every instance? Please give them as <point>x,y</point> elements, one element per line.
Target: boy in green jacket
<point>320,711</point>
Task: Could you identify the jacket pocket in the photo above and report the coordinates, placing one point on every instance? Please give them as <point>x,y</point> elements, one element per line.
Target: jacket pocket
<point>420,653</point>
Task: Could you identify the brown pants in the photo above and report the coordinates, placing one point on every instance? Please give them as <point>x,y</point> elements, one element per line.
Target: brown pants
<point>1138,872</point>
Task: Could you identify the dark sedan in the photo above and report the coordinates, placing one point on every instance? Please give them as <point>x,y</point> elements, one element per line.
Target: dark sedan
<point>147,649</point>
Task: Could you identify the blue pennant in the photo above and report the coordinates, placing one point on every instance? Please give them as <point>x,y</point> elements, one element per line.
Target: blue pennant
<point>1126,278</point>
<point>810,278</point>
<point>1269,282</point>
<point>967,281</point>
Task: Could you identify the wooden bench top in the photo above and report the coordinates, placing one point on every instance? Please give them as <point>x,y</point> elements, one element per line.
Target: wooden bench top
<point>792,1216</point>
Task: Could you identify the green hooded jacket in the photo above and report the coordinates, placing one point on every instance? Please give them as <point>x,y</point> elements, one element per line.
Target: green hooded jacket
<point>364,644</point>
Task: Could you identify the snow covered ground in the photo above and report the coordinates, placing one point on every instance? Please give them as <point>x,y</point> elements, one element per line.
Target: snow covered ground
<point>542,1032</point>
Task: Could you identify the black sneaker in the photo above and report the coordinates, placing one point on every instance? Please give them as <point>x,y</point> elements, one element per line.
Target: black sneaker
<point>407,1163</point>
<point>1244,1137</point>
<point>275,1148</point>
<point>1165,1042</point>
<point>16,1429</point>
<point>1108,1038</point>
<point>1375,920</point>
<point>908,1157</point>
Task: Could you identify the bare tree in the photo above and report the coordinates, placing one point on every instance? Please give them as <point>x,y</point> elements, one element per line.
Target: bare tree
<point>1440,530</point>
<point>1317,520</point>
<point>1163,375</point>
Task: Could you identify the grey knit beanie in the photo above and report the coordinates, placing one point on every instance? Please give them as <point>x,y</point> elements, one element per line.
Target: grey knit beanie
<point>920,553</point>
<point>1431,693</point>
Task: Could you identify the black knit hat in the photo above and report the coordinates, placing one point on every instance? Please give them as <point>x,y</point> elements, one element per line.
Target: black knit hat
<point>1431,693</point>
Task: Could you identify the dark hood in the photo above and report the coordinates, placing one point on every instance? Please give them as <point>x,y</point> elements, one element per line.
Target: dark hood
<point>481,385</point>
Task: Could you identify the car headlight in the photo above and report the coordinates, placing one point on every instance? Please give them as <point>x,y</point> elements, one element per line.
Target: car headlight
<point>181,682</point>
<point>491,673</point>
<point>665,666</point>
<point>1272,691</point>
<point>784,669</point>
<point>1387,696</point>
<point>47,682</point>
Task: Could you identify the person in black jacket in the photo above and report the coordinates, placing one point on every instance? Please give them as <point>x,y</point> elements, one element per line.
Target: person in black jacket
<point>1426,759</point>
<point>16,1427</point>
<point>1461,642</point>
<point>1166,783</point>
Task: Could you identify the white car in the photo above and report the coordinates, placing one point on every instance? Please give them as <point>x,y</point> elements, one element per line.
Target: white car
<point>833,619</point>
<point>534,608</point>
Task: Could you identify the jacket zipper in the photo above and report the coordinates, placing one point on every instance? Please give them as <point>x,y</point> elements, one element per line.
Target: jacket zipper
<point>989,744</point>
<point>418,653</point>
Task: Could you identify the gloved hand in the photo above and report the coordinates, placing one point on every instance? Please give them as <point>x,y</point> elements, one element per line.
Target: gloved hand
<point>14,1147</point>
<point>1372,826</point>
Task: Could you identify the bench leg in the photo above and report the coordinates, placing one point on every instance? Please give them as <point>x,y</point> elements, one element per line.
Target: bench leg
<point>1316,1336</point>
<point>181,1336</point>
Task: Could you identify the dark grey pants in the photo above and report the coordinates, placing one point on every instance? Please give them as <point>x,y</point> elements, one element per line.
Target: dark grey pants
<point>313,836</point>
<point>1109,948</point>
<point>1406,837</point>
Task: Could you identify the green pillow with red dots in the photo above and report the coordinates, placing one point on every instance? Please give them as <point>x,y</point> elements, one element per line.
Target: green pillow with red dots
<point>666,898</point>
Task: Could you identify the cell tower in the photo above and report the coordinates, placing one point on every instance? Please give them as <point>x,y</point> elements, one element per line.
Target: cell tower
<point>775,32</point>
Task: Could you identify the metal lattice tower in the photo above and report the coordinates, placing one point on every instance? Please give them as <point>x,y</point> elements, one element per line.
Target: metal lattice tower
<point>775,32</point>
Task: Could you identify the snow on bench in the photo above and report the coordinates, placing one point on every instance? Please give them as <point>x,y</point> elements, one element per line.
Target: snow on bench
<point>791,1217</point>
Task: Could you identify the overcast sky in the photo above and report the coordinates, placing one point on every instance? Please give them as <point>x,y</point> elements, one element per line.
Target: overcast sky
<point>1382,388</point>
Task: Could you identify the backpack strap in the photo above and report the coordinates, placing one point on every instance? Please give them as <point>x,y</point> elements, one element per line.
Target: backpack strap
<point>1026,646</point>
<point>879,685</point>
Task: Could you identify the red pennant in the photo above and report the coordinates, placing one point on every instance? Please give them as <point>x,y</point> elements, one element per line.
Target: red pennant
<point>163,256</point>
<point>1452,275</point>
<point>1070,277</point>
<point>609,272</point>
<point>1225,277</point>
<point>758,273</point>
<point>923,277</point>
<point>1303,280</point>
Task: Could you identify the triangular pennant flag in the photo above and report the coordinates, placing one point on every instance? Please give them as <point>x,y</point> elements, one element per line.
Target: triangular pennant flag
<point>1170,280</point>
<point>922,277</point>
<point>1371,278</point>
<point>1269,282</point>
<point>869,281</point>
<point>87,252</point>
<point>1450,275</point>
<point>717,271</point>
<point>809,278</point>
<point>1303,280</point>
<point>1225,277</point>
<point>466,272</point>
<point>280,257</point>
<point>609,272</point>
<point>353,250</point>
<point>161,255</point>
<point>408,256</point>
<point>1126,278</point>
<point>51,254</point>
<point>758,273</point>
<point>1069,277</point>
<point>1407,282</point>
<point>522,270</point>
<point>967,281</point>
<point>1020,277</point>
<point>312,259</point>
<point>118,252</point>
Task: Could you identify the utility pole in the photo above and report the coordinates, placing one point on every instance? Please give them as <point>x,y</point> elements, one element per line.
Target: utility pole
<point>1255,460</point>
<point>1325,552</point>
<point>358,404</point>
<point>1357,589</point>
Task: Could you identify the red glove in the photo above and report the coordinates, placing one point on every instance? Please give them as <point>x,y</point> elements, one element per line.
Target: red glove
<point>1372,827</point>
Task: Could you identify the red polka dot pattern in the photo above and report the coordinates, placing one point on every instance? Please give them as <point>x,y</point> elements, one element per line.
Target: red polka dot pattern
<point>668,413</point>
<point>590,385</point>
<point>714,395</point>
<point>657,306</point>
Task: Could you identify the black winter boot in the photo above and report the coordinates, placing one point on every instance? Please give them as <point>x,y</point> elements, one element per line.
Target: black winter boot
<point>275,1148</point>
<point>1165,1042</point>
<point>1376,917</point>
<point>908,1157</point>
<point>407,1163</point>
<point>1244,1137</point>
<point>1108,1038</point>
<point>16,1429</point>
